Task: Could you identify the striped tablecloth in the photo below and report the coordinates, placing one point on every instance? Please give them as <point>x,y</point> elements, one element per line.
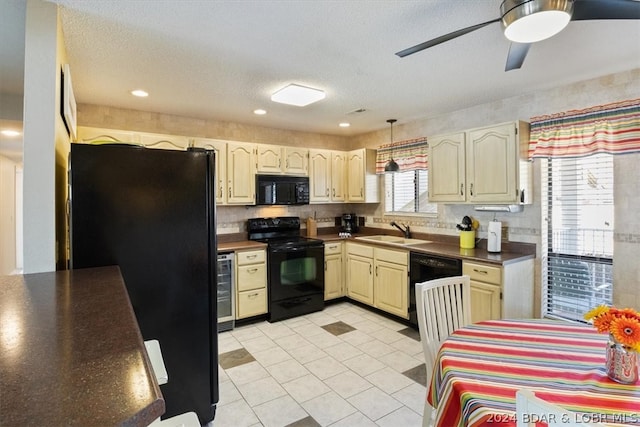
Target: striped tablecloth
<point>480,367</point>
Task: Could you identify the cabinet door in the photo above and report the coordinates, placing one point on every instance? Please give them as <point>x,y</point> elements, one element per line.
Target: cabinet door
<point>296,161</point>
<point>220,147</point>
<point>355,175</point>
<point>333,277</point>
<point>360,278</point>
<point>91,135</point>
<point>391,288</point>
<point>447,168</point>
<point>319,176</point>
<point>492,164</point>
<point>251,303</point>
<point>164,142</point>
<point>485,302</point>
<point>338,168</point>
<point>241,169</point>
<point>269,159</point>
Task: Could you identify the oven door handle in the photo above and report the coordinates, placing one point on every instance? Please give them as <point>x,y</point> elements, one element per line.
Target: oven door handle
<point>294,249</point>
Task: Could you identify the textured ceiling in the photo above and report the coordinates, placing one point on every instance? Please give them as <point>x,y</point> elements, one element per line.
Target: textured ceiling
<point>222,59</point>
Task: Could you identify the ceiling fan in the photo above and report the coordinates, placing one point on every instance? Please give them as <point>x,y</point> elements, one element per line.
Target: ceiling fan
<point>528,21</point>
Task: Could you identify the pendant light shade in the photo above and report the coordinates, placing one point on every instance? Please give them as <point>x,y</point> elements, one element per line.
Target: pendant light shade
<point>391,165</point>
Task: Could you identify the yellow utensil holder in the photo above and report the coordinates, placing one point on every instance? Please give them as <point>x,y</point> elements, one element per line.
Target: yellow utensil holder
<point>468,239</point>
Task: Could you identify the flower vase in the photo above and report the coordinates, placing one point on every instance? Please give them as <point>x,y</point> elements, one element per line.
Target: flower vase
<point>621,362</point>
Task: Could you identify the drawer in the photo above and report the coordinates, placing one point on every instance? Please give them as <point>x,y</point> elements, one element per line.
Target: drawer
<point>389,255</point>
<point>251,303</point>
<point>362,250</point>
<point>251,257</point>
<point>333,248</point>
<point>482,272</point>
<point>251,277</point>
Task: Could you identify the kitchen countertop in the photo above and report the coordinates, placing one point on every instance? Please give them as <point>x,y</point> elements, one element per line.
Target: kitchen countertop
<point>71,352</point>
<point>240,245</point>
<point>443,248</point>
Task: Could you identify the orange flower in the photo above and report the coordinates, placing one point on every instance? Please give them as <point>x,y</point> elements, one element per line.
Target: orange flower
<point>626,330</point>
<point>603,322</point>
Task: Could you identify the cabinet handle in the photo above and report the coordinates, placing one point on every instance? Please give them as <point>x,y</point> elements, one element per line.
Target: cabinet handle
<point>376,271</point>
<point>480,271</point>
<point>252,270</point>
<point>229,191</point>
<point>325,266</point>
<point>361,191</point>
<point>370,271</point>
<point>327,192</point>
<point>253,295</point>
<point>221,191</point>
<point>251,256</point>
<point>462,189</point>
<point>287,164</point>
<point>471,189</point>
<point>334,192</point>
<point>280,163</point>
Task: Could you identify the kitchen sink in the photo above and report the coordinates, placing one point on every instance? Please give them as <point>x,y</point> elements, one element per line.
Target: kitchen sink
<point>392,239</point>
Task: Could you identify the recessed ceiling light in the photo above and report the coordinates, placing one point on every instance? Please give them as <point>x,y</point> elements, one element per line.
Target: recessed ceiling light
<point>10,132</point>
<point>344,125</point>
<point>260,112</point>
<point>297,95</point>
<point>139,93</point>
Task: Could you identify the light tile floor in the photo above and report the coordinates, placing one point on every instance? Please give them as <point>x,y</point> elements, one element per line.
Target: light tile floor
<point>343,366</point>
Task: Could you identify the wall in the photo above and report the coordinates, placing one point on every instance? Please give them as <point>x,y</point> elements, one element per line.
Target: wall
<point>522,227</point>
<point>45,140</point>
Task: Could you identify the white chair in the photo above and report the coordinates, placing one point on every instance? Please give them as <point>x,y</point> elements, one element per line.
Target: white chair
<point>188,419</point>
<point>443,306</point>
<point>157,362</point>
<point>531,409</point>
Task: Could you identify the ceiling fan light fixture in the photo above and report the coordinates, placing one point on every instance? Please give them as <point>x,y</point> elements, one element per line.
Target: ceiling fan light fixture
<point>529,21</point>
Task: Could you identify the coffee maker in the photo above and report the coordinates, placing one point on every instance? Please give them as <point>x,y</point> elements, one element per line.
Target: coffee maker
<point>349,223</point>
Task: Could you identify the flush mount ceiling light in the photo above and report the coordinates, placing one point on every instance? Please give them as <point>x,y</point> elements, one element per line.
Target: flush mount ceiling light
<point>260,112</point>
<point>391,165</point>
<point>139,93</point>
<point>529,21</point>
<point>344,125</point>
<point>297,95</point>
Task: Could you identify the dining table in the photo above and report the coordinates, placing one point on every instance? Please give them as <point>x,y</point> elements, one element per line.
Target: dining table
<point>480,367</point>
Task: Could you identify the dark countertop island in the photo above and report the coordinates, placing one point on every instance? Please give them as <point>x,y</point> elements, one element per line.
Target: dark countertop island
<point>71,352</point>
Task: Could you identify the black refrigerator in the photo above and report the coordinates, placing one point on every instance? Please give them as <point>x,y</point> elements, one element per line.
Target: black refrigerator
<point>152,213</point>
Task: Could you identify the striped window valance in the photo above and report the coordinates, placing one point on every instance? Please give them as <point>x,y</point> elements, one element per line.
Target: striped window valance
<point>410,154</point>
<point>612,128</point>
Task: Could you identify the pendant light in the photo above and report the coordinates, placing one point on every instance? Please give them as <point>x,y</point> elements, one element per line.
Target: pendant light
<point>391,165</point>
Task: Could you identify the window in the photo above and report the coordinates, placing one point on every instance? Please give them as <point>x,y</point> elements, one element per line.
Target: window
<point>407,192</point>
<point>579,235</point>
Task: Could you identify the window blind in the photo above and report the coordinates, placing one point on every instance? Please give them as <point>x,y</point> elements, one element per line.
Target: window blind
<point>579,234</point>
<point>407,192</point>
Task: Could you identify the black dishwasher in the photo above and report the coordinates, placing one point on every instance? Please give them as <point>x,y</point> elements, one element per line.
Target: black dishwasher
<point>423,267</point>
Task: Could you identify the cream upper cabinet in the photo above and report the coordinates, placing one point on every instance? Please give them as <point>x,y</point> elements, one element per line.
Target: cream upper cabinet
<point>164,142</point>
<point>481,165</point>
<point>333,270</point>
<point>269,159</point>
<point>296,160</point>
<point>319,176</point>
<point>220,148</point>
<point>275,159</point>
<point>91,135</point>
<point>241,169</point>
<point>338,178</point>
<point>362,181</point>
<point>447,168</point>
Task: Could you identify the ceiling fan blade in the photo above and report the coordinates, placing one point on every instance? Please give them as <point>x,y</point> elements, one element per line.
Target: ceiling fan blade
<point>584,10</point>
<point>442,39</point>
<point>517,53</point>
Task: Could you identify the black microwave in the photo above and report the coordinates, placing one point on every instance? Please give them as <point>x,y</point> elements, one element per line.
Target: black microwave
<point>282,190</point>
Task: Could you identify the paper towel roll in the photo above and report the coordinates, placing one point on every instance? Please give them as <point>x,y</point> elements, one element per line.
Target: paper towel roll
<point>494,236</point>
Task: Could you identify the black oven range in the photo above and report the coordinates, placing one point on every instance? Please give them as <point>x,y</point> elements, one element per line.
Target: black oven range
<point>295,264</point>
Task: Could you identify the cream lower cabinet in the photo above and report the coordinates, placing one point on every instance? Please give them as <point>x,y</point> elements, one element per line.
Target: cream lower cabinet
<point>251,283</point>
<point>378,277</point>
<point>360,272</point>
<point>500,292</point>
<point>391,281</point>
<point>333,270</point>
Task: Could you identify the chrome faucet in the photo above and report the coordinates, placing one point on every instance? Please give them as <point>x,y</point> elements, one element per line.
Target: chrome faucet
<point>406,230</point>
